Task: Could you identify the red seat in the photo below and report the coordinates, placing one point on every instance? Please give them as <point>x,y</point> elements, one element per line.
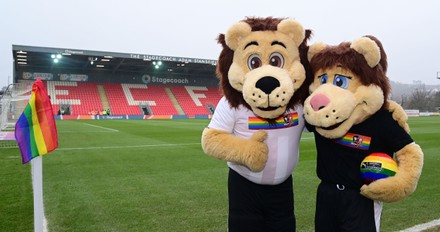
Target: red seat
<point>195,99</point>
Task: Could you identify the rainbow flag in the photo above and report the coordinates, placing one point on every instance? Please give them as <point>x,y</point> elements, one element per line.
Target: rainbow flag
<point>35,130</point>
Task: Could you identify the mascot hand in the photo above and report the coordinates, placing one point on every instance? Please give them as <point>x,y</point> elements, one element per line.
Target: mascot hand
<point>252,152</point>
<point>395,188</point>
<point>399,114</point>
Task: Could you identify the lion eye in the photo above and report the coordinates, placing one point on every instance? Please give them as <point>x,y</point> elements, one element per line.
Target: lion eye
<point>341,81</point>
<point>277,60</point>
<point>254,61</point>
<point>323,78</point>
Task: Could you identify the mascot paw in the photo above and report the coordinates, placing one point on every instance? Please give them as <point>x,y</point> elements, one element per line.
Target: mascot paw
<point>388,190</point>
<point>258,150</point>
<point>379,191</point>
<point>259,136</point>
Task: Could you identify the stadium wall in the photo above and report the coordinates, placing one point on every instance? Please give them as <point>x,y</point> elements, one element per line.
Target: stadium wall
<point>126,117</point>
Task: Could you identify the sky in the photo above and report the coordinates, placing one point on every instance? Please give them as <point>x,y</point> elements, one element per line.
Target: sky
<point>408,30</point>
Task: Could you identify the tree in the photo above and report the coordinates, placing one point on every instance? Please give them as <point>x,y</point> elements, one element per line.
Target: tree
<point>437,100</point>
<point>422,99</point>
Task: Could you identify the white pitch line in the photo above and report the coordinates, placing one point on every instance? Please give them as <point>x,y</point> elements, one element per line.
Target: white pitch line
<point>105,128</point>
<point>45,224</point>
<point>133,146</point>
<point>82,131</point>
<point>423,227</point>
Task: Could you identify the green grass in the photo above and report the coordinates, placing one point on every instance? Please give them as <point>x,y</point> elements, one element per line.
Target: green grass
<point>151,175</point>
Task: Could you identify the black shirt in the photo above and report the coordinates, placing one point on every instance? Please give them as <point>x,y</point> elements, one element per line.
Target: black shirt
<point>339,160</point>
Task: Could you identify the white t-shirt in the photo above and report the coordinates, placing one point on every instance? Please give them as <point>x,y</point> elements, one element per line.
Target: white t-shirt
<point>283,139</point>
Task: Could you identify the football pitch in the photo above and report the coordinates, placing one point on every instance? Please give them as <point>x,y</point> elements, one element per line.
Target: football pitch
<point>152,175</point>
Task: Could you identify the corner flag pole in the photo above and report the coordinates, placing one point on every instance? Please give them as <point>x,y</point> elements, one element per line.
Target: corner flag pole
<point>37,185</point>
<point>36,135</point>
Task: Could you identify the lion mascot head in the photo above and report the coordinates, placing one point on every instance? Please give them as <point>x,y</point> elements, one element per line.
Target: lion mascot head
<point>262,66</point>
<point>349,85</point>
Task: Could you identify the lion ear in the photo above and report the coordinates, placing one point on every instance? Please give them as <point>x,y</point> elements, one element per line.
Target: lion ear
<point>369,49</point>
<point>293,29</point>
<point>314,49</point>
<point>235,33</point>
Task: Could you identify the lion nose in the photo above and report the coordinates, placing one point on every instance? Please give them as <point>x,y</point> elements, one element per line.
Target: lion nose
<point>319,101</point>
<point>267,84</point>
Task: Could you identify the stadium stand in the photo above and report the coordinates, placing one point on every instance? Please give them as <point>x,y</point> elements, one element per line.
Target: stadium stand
<point>83,83</point>
<point>81,97</point>
<point>195,100</point>
<point>132,99</point>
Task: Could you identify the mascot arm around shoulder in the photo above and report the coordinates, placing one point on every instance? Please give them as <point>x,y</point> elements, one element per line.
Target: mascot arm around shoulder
<point>350,89</point>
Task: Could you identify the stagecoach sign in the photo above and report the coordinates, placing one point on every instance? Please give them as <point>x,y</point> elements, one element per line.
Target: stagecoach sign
<point>147,79</point>
<point>173,59</point>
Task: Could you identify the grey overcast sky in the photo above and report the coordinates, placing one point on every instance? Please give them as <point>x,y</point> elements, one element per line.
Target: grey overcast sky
<point>409,30</point>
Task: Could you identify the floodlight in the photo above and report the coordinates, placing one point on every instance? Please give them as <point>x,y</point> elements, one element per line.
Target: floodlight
<point>92,60</point>
<point>157,64</point>
<point>56,58</point>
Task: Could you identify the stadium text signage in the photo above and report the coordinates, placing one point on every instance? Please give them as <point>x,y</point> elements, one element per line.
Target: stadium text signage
<point>174,59</point>
<point>73,77</point>
<point>72,52</point>
<point>35,75</point>
<point>147,79</point>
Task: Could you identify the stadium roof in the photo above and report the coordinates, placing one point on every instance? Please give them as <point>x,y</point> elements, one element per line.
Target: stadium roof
<point>42,59</point>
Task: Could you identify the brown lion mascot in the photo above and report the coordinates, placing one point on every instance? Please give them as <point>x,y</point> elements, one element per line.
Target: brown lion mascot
<point>349,114</point>
<point>258,123</point>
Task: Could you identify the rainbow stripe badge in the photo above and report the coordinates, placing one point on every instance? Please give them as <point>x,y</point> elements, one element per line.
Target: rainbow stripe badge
<point>355,141</point>
<point>285,121</point>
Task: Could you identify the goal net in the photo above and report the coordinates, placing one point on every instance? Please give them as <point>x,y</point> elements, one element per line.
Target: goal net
<point>12,103</point>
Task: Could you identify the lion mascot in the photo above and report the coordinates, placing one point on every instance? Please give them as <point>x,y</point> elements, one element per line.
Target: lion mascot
<point>350,116</point>
<point>258,122</point>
